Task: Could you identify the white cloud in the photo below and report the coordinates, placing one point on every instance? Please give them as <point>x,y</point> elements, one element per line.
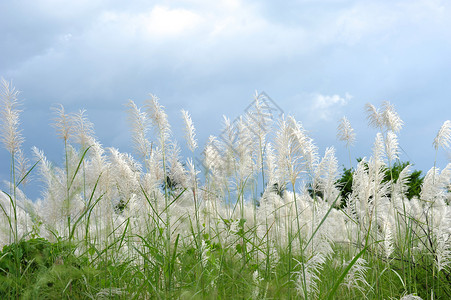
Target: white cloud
<point>326,107</point>
<point>164,21</point>
<point>159,22</point>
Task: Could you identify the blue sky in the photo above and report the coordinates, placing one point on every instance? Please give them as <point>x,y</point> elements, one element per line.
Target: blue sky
<point>319,60</point>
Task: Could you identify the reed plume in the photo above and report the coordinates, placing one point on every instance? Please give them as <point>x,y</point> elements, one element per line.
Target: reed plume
<point>10,133</point>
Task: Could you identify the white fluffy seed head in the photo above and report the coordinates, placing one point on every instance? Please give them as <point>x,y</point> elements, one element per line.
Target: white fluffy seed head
<point>443,138</point>
<point>63,123</point>
<point>304,145</point>
<point>271,165</point>
<point>259,117</point>
<point>391,148</point>
<point>158,117</point>
<point>385,119</point>
<point>284,149</point>
<point>356,277</point>
<point>22,166</point>
<point>10,134</point>
<point>139,121</point>
<point>378,147</point>
<point>307,280</point>
<point>346,132</point>
<point>326,175</point>
<point>390,117</point>
<point>373,115</point>
<point>83,129</point>
<point>190,132</point>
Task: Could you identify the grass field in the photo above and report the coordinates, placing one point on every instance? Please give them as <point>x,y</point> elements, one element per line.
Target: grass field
<point>258,215</point>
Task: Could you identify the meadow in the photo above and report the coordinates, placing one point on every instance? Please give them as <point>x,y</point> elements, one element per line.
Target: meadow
<point>259,214</point>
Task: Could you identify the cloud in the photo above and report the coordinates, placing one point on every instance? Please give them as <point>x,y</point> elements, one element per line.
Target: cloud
<point>164,21</point>
<point>157,22</point>
<point>327,107</point>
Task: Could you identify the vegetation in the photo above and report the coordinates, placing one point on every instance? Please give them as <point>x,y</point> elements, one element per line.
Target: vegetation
<point>259,215</point>
<point>414,180</point>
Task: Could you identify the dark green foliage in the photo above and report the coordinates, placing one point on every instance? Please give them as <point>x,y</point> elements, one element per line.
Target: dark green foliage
<point>279,189</point>
<point>120,206</point>
<point>345,184</point>
<point>33,254</point>
<point>415,180</point>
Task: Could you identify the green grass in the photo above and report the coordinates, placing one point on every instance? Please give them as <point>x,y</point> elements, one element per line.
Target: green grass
<point>54,270</point>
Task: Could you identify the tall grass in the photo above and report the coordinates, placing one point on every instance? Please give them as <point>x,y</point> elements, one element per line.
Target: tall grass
<point>256,215</point>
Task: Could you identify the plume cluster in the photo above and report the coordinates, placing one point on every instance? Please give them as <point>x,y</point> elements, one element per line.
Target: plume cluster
<point>103,195</point>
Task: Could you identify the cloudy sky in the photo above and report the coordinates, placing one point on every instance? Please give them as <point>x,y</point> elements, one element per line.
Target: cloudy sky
<point>317,59</point>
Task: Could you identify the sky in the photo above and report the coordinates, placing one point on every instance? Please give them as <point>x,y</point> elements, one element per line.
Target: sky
<point>319,60</point>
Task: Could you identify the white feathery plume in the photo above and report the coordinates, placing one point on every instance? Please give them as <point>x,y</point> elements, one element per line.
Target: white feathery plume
<point>126,171</point>
<point>159,118</point>
<point>256,281</point>
<point>22,166</point>
<point>356,277</point>
<point>298,134</point>
<point>390,117</point>
<point>190,132</point>
<point>63,123</point>
<point>45,168</point>
<point>24,216</point>
<point>192,174</point>
<point>435,184</point>
<point>388,239</point>
<point>304,145</point>
<point>10,134</point>
<point>346,132</point>
<point>140,125</point>
<point>244,148</point>
<point>392,146</point>
<point>378,147</point>
<point>259,120</point>
<point>402,184</point>
<point>204,253</point>
<point>261,113</point>
<point>57,205</point>
<point>73,158</point>
<point>361,190</point>
<point>229,140</point>
<point>83,129</point>
<point>429,188</point>
<point>326,175</point>
<point>212,156</point>
<point>259,117</point>
<point>443,138</point>
<point>154,165</point>
<point>310,152</point>
<point>387,119</point>
<point>271,165</point>
<point>443,239</point>
<point>98,160</point>
<point>285,152</point>
<point>307,279</point>
<point>374,117</point>
<point>177,172</point>
<point>322,240</point>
